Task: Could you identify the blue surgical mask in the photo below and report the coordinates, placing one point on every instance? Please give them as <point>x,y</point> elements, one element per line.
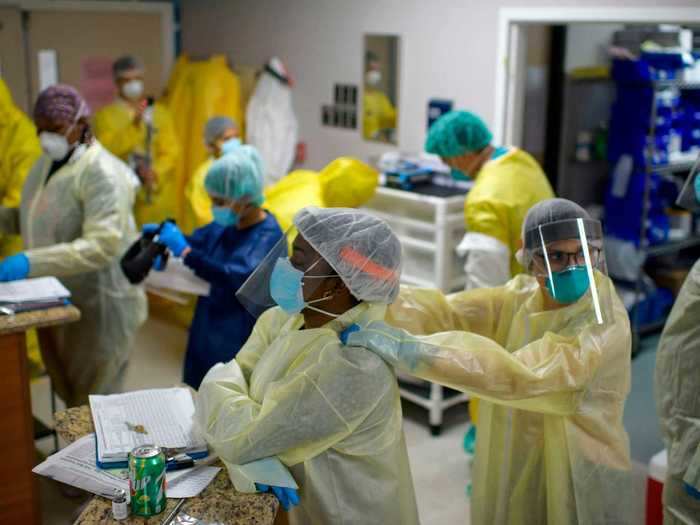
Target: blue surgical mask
<point>286,288</point>
<point>569,285</point>
<point>230,145</point>
<point>225,216</point>
<point>459,175</point>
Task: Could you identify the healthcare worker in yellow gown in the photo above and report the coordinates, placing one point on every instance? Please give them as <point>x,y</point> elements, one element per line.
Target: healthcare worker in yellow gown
<point>333,416</point>
<point>76,222</point>
<point>221,135</point>
<point>507,183</point>
<point>379,114</point>
<point>549,356</point>
<point>677,391</point>
<point>123,128</point>
<point>19,149</point>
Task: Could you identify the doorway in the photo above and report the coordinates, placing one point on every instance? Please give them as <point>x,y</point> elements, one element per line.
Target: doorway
<point>34,51</point>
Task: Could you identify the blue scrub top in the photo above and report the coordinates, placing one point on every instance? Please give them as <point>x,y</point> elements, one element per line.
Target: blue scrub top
<point>224,257</point>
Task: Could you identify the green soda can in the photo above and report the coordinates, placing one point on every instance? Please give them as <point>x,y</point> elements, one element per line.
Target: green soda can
<point>147,480</point>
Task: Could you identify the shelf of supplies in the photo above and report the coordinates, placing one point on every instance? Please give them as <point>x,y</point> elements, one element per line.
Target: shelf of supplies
<point>674,167</point>
<point>673,246</point>
<point>678,83</point>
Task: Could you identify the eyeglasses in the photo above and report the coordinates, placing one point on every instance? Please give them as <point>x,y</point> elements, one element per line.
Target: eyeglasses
<point>560,260</point>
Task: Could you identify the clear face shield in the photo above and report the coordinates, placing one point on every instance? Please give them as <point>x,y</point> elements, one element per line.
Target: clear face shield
<point>689,197</point>
<point>289,277</point>
<point>568,260</point>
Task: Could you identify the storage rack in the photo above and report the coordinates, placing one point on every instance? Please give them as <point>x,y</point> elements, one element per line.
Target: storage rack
<point>667,248</point>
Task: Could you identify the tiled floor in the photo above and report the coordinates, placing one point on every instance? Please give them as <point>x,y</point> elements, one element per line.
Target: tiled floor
<point>439,465</point>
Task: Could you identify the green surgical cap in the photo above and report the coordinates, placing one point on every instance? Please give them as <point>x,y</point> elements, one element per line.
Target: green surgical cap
<point>457,133</point>
<point>236,175</point>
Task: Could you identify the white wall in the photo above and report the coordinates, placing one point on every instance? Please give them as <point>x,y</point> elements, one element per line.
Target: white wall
<point>587,44</point>
<point>447,50</point>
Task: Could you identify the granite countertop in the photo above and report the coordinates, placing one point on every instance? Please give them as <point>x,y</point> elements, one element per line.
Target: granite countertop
<point>10,324</point>
<point>219,502</point>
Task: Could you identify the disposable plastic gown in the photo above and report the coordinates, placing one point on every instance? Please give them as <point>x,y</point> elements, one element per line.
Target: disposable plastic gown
<point>115,129</point>
<point>271,126</point>
<point>19,149</point>
<point>330,413</point>
<point>76,226</point>
<point>198,202</point>
<point>344,183</point>
<point>224,257</point>
<point>551,447</point>
<point>504,190</point>
<point>196,92</point>
<point>378,113</point>
<point>678,401</point>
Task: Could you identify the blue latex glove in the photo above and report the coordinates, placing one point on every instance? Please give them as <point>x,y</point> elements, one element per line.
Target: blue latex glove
<point>158,264</point>
<point>172,237</point>
<point>287,497</point>
<point>395,346</point>
<point>692,491</point>
<point>14,267</point>
<point>346,333</point>
<point>150,228</point>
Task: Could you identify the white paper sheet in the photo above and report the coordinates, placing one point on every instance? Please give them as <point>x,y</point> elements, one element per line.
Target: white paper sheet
<point>165,414</point>
<point>193,483</point>
<point>40,289</point>
<point>47,63</point>
<point>75,465</point>
<point>179,278</point>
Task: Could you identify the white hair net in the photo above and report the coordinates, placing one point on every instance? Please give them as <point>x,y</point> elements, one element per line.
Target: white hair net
<point>550,211</point>
<point>361,248</point>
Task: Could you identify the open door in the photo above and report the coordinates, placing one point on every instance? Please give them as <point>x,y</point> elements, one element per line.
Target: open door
<point>84,60</point>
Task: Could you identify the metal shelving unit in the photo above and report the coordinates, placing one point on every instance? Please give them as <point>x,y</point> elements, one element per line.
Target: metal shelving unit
<point>669,247</point>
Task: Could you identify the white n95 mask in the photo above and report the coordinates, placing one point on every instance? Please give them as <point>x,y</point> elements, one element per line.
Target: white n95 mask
<point>373,78</point>
<point>54,145</point>
<point>133,89</point>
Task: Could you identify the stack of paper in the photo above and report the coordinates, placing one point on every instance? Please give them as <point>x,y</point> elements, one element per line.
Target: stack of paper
<point>32,294</point>
<point>177,278</point>
<point>161,417</point>
<point>75,466</point>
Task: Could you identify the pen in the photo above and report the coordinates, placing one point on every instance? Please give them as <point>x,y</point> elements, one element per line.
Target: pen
<point>180,463</point>
<point>173,513</point>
